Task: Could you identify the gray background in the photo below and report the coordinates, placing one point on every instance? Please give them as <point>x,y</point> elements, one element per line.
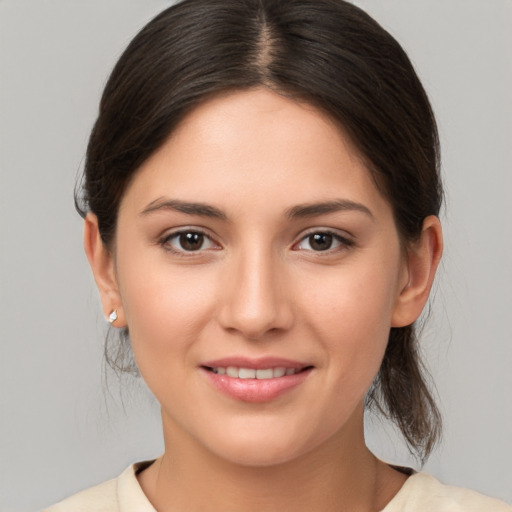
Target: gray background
<point>61,428</point>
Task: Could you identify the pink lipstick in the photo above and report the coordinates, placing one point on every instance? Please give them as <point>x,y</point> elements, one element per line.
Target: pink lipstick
<point>255,380</point>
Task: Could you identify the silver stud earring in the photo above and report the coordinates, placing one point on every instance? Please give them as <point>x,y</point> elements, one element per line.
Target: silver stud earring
<point>113,316</point>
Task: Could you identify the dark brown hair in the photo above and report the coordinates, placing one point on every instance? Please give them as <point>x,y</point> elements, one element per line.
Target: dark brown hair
<point>327,52</point>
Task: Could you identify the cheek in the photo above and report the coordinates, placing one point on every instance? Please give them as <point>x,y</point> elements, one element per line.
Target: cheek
<point>352,299</point>
<point>166,308</point>
<point>351,312</point>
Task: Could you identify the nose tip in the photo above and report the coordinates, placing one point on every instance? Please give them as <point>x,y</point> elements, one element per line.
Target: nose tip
<point>256,304</point>
<point>252,328</point>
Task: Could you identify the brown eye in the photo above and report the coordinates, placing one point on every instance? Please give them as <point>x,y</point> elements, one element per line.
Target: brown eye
<point>191,241</point>
<point>322,241</point>
<point>188,241</point>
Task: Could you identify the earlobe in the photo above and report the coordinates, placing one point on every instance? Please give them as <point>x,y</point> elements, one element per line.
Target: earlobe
<point>102,266</point>
<point>422,262</point>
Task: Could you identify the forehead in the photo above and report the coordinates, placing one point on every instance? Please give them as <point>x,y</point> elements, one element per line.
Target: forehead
<point>250,117</point>
<point>256,144</point>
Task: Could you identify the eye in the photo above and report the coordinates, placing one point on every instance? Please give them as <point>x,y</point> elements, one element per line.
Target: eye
<point>320,241</point>
<point>188,241</point>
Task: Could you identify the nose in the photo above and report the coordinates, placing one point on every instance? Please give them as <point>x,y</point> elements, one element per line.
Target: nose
<point>255,302</point>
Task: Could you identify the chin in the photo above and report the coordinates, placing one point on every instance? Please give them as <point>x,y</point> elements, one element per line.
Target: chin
<point>260,447</point>
<point>259,454</point>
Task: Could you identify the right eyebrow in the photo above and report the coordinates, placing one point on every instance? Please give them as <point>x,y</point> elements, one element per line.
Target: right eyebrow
<point>322,208</point>
<point>189,208</point>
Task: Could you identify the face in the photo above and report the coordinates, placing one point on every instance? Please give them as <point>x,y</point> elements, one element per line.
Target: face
<point>259,271</point>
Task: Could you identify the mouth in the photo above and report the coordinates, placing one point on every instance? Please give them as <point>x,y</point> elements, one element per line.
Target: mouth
<point>236,372</point>
<point>252,380</point>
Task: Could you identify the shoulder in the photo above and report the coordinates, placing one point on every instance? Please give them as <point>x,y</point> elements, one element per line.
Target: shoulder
<point>101,498</point>
<point>121,494</point>
<point>424,493</point>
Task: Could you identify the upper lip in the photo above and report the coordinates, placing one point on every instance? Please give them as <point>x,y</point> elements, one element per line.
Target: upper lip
<point>255,363</point>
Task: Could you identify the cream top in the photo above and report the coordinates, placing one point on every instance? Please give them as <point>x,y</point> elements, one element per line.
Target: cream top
<point>420,493</point>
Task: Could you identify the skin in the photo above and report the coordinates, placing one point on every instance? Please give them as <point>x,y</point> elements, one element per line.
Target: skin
<point>257,287</point>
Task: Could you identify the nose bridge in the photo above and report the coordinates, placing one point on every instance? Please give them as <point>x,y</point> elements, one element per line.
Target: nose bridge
<point>256,302</point>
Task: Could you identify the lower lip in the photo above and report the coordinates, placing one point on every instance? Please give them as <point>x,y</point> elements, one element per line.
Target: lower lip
<point>256,390</point>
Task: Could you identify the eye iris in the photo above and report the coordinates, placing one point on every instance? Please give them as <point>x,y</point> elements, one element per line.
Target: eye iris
<point>320,241</point>
<point>191,241</point>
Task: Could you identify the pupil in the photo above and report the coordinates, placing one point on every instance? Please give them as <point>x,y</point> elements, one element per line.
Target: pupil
<point>320,241</point>
<point>191,241</point>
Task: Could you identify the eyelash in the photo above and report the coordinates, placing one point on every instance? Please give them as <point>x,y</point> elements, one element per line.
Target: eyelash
<point>165,242</point>
<point>344,242</point>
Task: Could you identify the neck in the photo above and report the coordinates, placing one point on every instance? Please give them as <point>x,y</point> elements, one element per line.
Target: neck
<point>341,474</point>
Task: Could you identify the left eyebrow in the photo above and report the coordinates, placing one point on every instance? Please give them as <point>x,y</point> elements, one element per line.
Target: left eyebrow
<point>322,208</point>
<point>189,208</point>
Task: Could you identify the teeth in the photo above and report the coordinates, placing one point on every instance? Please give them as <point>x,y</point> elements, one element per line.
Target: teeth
<point>279,372</point>
<point>265,374</point>
<point>231,371</point>
<point>246,373</point>
<point>251,373</point>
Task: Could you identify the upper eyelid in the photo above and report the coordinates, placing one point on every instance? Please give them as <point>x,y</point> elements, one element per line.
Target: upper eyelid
<point>185,229</point>
<point>169,234</point>
<point>345,240</point>
<point>339,233</point>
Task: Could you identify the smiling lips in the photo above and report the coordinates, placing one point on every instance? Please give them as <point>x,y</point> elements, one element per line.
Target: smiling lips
<point>255,381</point>
<point>253,373</point>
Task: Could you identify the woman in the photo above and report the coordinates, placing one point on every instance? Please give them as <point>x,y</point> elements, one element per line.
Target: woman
<point>261,196</point>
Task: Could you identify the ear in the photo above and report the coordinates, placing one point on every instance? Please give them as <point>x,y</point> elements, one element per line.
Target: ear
<point>422,260</point>
<point>103,269</point>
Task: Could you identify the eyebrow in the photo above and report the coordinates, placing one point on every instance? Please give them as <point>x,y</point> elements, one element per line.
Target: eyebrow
<point>298,211</point>
<point>322,208</point>
<point>189,208</point>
